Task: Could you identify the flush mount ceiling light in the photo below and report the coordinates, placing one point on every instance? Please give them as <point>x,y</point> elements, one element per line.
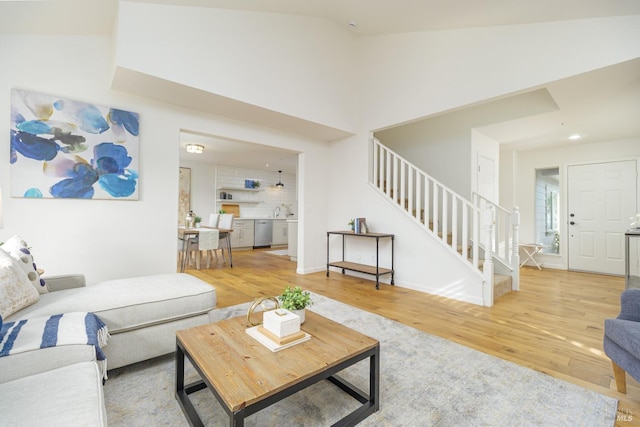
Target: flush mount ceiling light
<point>280,184</point>
<point>195,148</point>
<point>575,136</point>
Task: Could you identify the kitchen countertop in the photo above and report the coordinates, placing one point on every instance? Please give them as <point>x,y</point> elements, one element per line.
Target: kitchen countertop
<point>253,218</point>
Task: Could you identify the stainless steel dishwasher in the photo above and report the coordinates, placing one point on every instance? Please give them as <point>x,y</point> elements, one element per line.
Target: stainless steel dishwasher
<point>263,233</point>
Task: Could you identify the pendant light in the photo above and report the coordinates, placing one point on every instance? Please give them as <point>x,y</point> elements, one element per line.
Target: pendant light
<point>279,184</point>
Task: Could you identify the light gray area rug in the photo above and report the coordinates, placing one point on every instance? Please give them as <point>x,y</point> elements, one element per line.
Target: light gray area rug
<point>425,381</point>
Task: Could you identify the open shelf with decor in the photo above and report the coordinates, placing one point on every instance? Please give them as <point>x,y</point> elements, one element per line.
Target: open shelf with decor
<point>251,190</point>
<point>224,192</point>
<point>239,202</point>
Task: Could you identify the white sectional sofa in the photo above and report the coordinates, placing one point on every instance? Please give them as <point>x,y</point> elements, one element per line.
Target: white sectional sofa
<point>62,385</point>
<point>141,313</point>
<point>68,396</point>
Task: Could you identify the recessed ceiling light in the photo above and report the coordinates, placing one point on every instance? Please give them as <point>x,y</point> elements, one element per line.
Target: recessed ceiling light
<point>353,24</point>
<point>575,136</point>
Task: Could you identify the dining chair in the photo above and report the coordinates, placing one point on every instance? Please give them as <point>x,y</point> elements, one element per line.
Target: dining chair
<point>213,220</point>
<point>187,245</point>
<point>225,222</point>
<point>208,244</point>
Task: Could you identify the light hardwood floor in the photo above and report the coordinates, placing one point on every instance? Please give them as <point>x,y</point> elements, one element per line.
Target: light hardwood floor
<point>554,324</point>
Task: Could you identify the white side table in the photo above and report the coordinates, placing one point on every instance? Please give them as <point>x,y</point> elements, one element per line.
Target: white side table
<point>532,249</point>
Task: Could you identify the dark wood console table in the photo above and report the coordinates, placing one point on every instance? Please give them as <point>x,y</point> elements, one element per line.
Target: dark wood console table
<point>374,270</point>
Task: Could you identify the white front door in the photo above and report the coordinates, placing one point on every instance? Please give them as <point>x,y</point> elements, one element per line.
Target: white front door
<point>601,199</point>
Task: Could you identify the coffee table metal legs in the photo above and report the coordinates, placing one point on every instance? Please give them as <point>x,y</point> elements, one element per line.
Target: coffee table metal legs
<point>182,393</point>
<point>370,402</point>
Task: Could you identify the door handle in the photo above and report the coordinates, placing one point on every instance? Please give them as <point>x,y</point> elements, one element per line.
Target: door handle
<point>572,223</point>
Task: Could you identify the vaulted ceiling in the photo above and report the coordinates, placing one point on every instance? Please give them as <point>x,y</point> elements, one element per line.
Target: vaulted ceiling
<point>600,105</point>
<point>371,17</point>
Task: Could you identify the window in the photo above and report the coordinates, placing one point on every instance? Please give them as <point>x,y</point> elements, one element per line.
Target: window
<point>547,209</point>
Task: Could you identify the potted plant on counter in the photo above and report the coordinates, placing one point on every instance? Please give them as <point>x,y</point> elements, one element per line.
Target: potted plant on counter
<point>197,220</point>
<point>295,300</point>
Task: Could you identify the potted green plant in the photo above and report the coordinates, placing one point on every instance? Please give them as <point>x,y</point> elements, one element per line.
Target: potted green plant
<point>197,220</point>
<point>352,223</point>
<point>256,184</point>
<point>295,300</point>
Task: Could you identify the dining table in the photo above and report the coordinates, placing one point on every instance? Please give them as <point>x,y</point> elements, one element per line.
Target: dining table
<point>186,234</point>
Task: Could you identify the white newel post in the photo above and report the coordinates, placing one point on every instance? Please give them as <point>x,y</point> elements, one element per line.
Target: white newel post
<point>488,223</point>
<point>515,258</point>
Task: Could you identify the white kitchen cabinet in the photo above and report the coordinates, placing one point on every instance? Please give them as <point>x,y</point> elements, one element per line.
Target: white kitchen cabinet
<point>242,236</point>
<point>280,234</point>
<point>293,239</point>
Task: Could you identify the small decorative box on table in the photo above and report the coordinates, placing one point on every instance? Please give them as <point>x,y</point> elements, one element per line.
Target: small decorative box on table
<point>280,329</point>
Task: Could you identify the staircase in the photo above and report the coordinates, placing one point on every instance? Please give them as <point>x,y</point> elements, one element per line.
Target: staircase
<point>481,234</point>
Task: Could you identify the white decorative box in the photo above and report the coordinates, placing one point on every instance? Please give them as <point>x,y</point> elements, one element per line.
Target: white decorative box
<point>281,322</point>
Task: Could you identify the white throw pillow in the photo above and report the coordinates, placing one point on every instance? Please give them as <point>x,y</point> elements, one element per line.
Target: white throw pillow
<point>19,250</point>
<point>16,291</point>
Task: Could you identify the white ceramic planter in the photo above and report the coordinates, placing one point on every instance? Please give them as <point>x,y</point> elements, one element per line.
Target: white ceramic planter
<point>300,314</point>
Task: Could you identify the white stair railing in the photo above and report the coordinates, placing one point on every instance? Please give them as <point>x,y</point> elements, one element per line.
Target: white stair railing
<point>454,220</point>
<point>507,224</point>
<point>488,227</point>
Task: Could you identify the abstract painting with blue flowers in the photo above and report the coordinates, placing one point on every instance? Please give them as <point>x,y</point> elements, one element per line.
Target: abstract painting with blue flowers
<point>62,148</point>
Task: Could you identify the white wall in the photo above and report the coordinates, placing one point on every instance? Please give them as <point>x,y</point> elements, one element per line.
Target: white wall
<point>524,181</point>
<point>440,146</point>
<point>296,65</point>
<point>416,75</point>
<point>405,77</point>
<point>101,238</point>
<point>107,239</point>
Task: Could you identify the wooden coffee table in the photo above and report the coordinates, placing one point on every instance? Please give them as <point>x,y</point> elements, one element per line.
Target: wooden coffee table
<point>246,377</point>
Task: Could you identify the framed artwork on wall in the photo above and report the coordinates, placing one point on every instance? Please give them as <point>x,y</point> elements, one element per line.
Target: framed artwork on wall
<point>184,195</point>
<point>62,148</point>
